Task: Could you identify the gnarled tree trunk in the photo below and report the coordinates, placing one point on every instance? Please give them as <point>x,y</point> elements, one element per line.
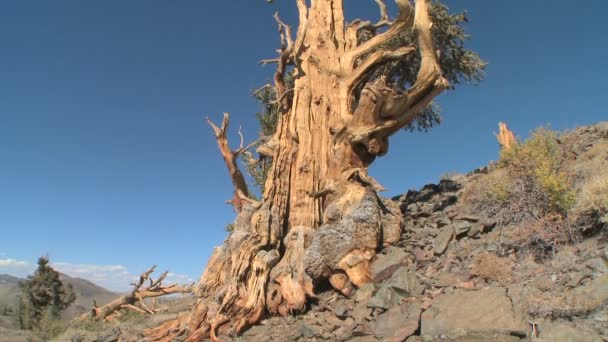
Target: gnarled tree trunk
<point>319,218</point>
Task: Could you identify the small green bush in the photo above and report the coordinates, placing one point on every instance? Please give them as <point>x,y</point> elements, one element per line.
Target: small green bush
<point>539,161</point>
<point>47,327</point>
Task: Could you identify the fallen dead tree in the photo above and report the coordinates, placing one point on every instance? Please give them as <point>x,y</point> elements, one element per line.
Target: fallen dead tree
<point>134,300</point>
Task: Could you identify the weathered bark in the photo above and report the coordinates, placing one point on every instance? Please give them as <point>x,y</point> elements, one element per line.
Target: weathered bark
<point>320,218</point>
<point>134,300</point>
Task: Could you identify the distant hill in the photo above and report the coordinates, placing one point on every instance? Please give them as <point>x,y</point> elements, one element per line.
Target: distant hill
<point>86,292</point>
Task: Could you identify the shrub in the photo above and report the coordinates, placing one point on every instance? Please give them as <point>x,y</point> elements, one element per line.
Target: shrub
<point>594,194</point>
<point>537,163</point>
<point>492,267</point>
<point>47,327</point>
<point>544,236</point>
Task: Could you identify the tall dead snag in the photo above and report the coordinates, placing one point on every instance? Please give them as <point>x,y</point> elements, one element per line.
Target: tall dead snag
<point>505,137</point>
<point>134,300</point>
<point>320,218</point>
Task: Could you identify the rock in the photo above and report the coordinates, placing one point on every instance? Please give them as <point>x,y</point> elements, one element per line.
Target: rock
<point>466,217</point>
<point>363,339</point>
<point>412,208</point>
<point>401,285</point>
<point>461,227</point>
<point>477,228</point>
<point>308,331</point>
<point>397,323</point>
<point>565,332</point>
<point>575,279</point>
<point>591,296</point>
<point>340,309</point>
<point>362,330</point>
<point>364,293</point>
<point>361,313</point>
<point>484,313</point>
<point>444,221</point>
<point>343,333</point>
<point>448,185</point>
<point>451,279</point>
<point>393,256</point>
<point>426,210</point>
<point>544,283</point>
<point>441,242</point>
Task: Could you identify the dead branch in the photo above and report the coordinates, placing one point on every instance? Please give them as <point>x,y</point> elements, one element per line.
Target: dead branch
<point>505,137</point>
<point>284,31</point>
<point>230,158</point>
<point>134,300</point>
<point>404,21</point>
<point>402,109</point>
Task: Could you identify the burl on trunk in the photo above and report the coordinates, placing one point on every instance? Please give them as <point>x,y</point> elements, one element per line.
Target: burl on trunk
<point>319,218</point>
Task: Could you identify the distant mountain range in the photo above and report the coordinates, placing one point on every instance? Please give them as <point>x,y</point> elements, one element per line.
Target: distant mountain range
<point>86,293</point>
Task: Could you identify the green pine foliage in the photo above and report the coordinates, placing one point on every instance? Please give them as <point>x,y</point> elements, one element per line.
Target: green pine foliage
<point>43,298</point>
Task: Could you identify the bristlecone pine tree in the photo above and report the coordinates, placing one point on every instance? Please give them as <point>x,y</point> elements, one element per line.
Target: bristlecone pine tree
<point>340,90</point>
<point>43,294</point>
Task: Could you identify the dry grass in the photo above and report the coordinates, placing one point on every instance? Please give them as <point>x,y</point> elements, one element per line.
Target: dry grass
<point>492,267</point>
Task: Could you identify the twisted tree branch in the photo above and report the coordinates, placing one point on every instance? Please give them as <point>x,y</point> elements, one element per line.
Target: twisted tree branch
<point>134,300</point>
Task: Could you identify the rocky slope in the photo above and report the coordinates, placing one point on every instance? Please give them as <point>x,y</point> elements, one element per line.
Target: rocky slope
<point>468,272</point>
<point>458,275</point>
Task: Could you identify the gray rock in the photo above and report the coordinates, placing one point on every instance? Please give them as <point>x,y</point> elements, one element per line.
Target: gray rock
<point>308,331</point>
<point>477,228</point>
<point>441,242</point>
<point>444,221</point>
<point>340,309</point>
<point>550,331</point>
<point>412,208</point>
<point>403,283</point>
<point>591,296</point>
<point>466,217</point>
<point>361,313</point>
<point>575,279</point>
<point>397,323</point>
<point>393,256</point>
<point>426,209</point>
<point>461,227</point>
<point>364,293</point>
<point>487,312</point>
<point>363,339</point>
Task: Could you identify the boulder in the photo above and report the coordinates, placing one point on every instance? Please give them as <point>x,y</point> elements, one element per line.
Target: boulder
<point>393,256</point>
<point>402,284</point>
<point>461,227</point>
<point>398,323</point>
<point>486,313</point>
<point>553,331</point>
<point>442,240</point>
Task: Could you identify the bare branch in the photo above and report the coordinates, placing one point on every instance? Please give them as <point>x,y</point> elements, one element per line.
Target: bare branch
<point>383,14</point>
<point>230,159</point>
<point>240,133</point>
<point>405,20</point>
<point>269,61</point>
<point>375,59</point>
<point>284,31</point>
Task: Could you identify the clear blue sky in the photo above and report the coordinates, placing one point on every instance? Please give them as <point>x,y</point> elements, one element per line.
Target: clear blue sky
<point>107,166</point>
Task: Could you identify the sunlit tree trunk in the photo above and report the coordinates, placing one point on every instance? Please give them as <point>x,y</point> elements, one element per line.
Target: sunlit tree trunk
<point>319,218</point>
